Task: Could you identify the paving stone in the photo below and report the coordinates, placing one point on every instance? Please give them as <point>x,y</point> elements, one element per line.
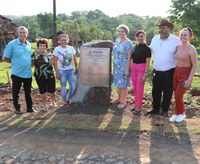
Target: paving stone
<point>2,154</point>
<point>61,162</point>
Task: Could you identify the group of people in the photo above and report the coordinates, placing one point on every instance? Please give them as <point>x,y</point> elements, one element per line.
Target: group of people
<point>18,52</point>
<point>174,65</point>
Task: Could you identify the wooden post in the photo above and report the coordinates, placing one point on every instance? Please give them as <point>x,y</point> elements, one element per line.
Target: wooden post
<point>9,79</point>
<point>54,24</point>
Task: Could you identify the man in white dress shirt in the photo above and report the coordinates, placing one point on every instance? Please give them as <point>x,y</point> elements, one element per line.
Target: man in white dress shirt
<point>163,47</point>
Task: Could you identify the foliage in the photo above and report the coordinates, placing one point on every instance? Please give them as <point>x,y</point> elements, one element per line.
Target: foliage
<point>84,26</point>
<point>30,22</point>
<point>46,24</point>
<point>186,14</point>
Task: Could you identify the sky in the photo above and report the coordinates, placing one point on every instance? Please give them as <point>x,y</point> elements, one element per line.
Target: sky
<point>108,7</point>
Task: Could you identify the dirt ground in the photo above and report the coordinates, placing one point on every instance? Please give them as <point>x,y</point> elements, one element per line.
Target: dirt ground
<point>137,148</point>
<point>97,147</point>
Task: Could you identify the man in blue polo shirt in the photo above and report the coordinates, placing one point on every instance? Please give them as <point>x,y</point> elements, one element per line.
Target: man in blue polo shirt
<point>18,53</point>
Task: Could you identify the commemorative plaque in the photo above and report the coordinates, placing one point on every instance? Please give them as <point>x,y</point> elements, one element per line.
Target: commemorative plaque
<point>94,66</point>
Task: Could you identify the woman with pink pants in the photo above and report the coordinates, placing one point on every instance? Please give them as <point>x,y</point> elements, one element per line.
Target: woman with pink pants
<point>138,65</point>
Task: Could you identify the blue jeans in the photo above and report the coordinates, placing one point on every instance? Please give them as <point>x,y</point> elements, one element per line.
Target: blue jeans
<point>67,76</point>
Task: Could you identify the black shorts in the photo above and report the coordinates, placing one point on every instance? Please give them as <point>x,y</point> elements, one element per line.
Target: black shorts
<point>46,85</point>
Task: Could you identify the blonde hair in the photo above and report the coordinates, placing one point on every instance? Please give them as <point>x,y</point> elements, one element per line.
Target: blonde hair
<point>124,27</point>
<point>22,27</point>
<point>64,35</point>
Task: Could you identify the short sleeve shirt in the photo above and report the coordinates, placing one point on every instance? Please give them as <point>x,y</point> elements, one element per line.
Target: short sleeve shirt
<point>20,56</point>
<point>43,65</point>
<point>65,57</point>
<point>164,52</point>
<point>141,52</point>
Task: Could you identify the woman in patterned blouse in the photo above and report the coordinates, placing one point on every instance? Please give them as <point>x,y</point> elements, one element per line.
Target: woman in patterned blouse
<point>44,75</point>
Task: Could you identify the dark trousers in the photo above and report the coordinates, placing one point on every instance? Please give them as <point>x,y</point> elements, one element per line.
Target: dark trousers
<point>162,89</point>
<point>16,85</point>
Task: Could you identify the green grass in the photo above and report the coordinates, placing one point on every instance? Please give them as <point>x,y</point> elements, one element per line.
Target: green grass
<point>108,122</point>
<point>33,46</point>
<point>195,83</point>
<point>198,68</point>
<point>5,67</point>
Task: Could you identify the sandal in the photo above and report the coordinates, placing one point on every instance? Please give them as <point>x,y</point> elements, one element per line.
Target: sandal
<point>66,105</point>
<point>44,110</point>
<point>121,106</point>
<point>69,102</point>
<point>137,112</point>
<point>132,108</point>
<point>53,104</point>
<point>114,101</point>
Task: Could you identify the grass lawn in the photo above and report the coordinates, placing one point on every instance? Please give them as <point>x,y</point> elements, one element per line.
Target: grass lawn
<point>198,68</point>
<point>105,122</point>
<point>5,67</point>
<point>5,71</point>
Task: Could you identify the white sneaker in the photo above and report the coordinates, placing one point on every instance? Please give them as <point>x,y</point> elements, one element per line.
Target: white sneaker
<point>180,118</point>
<point>173,118</point>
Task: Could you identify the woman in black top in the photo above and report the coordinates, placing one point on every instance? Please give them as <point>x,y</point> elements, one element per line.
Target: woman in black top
<point>138,65</point>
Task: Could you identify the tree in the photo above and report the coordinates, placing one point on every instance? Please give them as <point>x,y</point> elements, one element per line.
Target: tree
<point>45,20</point>
<point>186,14</point>
<point>84,26</point>
<point>31,23</point>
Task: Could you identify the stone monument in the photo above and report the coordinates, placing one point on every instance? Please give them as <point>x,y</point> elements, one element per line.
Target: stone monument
<point>94,73</point>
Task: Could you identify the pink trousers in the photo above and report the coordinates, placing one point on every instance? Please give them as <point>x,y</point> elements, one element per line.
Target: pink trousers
<point>180,75</point>
<point>137,72</point>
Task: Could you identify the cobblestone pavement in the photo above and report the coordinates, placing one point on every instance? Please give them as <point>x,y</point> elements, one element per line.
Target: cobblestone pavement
<point>28,157</point>
<point>33,146</point>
